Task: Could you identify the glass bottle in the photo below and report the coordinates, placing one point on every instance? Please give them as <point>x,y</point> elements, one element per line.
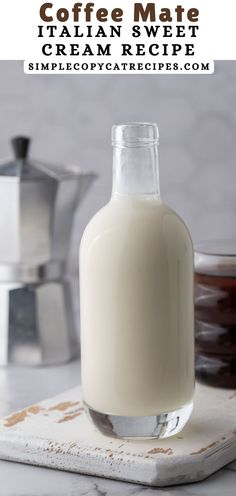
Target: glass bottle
<point>136,284</point>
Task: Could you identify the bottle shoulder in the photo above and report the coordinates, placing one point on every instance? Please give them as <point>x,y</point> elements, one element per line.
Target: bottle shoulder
<point>96,219</point>
<point>168,211</point>
<point>145,217</point>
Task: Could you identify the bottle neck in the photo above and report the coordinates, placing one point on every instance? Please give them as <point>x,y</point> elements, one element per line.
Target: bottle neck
<point>135,171</point>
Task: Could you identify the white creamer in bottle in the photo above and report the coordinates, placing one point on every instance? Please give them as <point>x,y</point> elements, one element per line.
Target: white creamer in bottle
<point>136,286</point>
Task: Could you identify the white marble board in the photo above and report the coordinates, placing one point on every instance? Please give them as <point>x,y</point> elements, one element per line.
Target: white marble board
<point>56,433</point>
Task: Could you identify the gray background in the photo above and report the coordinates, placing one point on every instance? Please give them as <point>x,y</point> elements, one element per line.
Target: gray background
<point>70,116</point>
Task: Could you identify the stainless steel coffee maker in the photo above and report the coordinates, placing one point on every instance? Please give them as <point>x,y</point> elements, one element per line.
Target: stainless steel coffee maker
<point>38,202</point>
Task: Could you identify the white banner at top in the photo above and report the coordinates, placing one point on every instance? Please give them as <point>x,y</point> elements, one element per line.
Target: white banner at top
<point>118,35</point>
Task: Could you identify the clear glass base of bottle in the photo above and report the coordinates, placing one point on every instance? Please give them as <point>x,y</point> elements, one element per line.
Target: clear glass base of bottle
<point>158,426</point>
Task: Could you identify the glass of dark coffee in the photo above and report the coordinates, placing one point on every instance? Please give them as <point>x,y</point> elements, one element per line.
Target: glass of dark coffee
<point>215,313</point>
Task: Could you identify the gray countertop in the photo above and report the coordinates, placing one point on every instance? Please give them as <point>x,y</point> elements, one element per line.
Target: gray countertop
<point>20,387</point>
